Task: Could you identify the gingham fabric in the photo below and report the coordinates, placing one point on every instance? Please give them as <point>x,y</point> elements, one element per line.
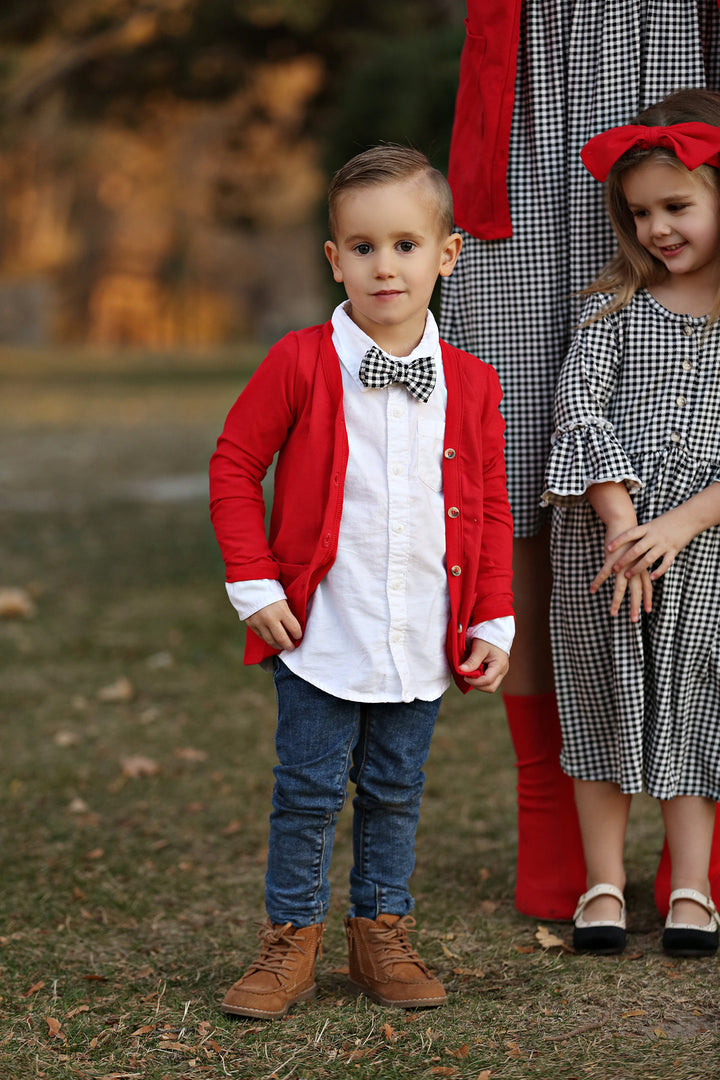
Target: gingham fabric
<point>638,399</point>
<point>377,370</point>
<point>583,66</point>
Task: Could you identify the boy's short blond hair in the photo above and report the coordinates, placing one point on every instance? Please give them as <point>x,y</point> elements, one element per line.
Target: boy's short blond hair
<point>389,163</point>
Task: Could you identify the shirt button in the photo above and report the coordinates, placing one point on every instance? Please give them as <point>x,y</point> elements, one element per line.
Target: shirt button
<point>453,512</point>
<point>396,469</point>
<point>681,401</point>
<point>456,571</point>
<point>395,635</point>
<point>687,366</point>
<point>688,330</point>
<point>397,412</point>
<point>675,437</point>
<point>449,453</point>
<point>398,528</point>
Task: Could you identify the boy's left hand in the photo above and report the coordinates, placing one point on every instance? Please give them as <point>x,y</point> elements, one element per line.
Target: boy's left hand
<point>489,659</point>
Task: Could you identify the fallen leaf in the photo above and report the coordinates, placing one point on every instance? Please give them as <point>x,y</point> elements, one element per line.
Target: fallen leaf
<point>54,1029</point>
<point>16,604</point>
<point>444,1070</point>
<point>34,988</point>
<point>390,1033</point>
<point>462,1051</point>
<point>635,1012</point>
<point>66,738</point>
<point>660,1033</point>
<point>96,853</point>
<point>449,953</point>
<point>474,973</point>
<point>524,948</point>
<point>136,765</point>
<point>548,940</point>
<point>188,753</point>
<point>78,806</point>
<point>513,1050</point>
<point>146,1029</point>
<point>232,828</point>
<point>77,1011</point>
<point>121,690</point>
<point>484,1075</point>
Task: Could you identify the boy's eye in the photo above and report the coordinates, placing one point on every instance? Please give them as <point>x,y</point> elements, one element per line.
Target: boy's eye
<point>406,246</point>
<point>362,249</point>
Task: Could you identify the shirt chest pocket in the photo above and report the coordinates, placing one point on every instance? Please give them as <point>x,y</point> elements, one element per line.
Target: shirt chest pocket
<point>431,435</point>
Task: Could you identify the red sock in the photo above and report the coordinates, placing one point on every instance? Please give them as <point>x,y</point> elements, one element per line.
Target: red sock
<point>550,863</point>
<point>662,878</point>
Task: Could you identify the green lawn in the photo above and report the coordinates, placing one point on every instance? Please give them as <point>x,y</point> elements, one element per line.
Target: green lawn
<point>135,784</point>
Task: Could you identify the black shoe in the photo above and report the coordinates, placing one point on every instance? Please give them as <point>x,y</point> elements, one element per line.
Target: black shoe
<point>684,939</point>
<point>604,938</point>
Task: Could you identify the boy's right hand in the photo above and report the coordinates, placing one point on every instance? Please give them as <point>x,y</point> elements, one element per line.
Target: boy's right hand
<point>276,625</point>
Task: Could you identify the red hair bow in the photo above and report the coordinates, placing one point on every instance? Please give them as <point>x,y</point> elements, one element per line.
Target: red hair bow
<point>693,143</point>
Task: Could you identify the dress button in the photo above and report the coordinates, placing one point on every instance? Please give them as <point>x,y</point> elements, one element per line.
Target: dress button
<point>675,437</point>
<point>681,401</point>
<point>456,571</point>
<point>688,330</point>
<point>449,453</point>
<point>453,512</point>
<point>687,366</point>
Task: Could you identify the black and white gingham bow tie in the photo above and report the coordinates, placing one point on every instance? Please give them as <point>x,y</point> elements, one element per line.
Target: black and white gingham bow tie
<point>378,370</point>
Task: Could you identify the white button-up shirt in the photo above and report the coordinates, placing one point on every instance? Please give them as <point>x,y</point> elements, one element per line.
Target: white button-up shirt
<point>377,621</point>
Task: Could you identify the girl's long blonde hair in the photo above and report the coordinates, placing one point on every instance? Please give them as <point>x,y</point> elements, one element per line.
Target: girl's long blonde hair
<point>632,267</point>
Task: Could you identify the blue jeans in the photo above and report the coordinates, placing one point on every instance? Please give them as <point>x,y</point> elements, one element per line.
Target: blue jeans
<point>322,741</point>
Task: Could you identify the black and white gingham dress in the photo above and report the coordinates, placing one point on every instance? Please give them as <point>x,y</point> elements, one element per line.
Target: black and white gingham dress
<point>638,400</point>
<point>583,66</point>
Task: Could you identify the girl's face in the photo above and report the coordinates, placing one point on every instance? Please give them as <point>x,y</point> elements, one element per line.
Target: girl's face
<point>677,218</point>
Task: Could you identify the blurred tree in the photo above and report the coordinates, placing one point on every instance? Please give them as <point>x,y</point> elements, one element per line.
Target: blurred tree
<point>168,157</point>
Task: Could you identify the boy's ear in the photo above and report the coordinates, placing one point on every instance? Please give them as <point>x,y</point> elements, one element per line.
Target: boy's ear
<point>450,253</point>
<point>331,252</point>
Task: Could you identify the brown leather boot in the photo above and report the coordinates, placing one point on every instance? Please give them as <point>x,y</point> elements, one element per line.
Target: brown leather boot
<point>283,973</point>
<point>384,965</point>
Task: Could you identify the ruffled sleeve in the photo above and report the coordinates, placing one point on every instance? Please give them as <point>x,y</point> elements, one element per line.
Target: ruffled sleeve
<point>584,447</point>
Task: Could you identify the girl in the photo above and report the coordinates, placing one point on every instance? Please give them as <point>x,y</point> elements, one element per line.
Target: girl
<point>633,474</point>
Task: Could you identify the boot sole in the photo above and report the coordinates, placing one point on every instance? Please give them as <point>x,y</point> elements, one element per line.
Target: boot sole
<point>408,1003</point>
<point>265,1014</point>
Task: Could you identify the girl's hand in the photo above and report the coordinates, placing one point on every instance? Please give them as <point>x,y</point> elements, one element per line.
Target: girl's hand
<point>636,549</point>
<point>639,586</point>
<point>491,662</point>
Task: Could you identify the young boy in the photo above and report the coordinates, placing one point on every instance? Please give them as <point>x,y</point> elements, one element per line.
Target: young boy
<point>387,571</point>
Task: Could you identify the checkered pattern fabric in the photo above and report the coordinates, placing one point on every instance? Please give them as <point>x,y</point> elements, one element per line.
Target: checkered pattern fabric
<point>377,370</point>
<point>583,66</point>
<point>638,398</point>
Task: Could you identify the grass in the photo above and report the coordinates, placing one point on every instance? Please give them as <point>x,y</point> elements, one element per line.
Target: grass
<point>134,793</point>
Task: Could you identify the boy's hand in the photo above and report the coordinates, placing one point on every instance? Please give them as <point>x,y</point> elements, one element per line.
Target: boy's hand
<point>488,659</point>
<point>276,625</point>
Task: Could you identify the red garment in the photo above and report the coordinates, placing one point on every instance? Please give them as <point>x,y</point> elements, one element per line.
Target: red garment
<point>483,115</point>
<point>293,404</point>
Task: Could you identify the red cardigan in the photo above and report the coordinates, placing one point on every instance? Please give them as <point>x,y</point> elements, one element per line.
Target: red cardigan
<point>483,114</point>
<point>294,404</point>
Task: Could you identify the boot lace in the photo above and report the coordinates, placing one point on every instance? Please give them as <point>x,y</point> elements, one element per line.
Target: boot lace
<point>396,944</point>
<point>278,943</point>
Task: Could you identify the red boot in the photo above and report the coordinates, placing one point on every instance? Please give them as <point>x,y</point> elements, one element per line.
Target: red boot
<point>550,862</point>
<point>662,878</point>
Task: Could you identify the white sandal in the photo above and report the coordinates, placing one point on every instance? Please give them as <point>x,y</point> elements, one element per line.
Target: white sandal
<point>687,939</point>
<point>601,936</point>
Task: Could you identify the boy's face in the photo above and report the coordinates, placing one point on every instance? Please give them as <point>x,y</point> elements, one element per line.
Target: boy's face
<point>388,252</point>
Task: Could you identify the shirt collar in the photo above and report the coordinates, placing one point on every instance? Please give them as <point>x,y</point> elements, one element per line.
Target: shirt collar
<point>351,343</point>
